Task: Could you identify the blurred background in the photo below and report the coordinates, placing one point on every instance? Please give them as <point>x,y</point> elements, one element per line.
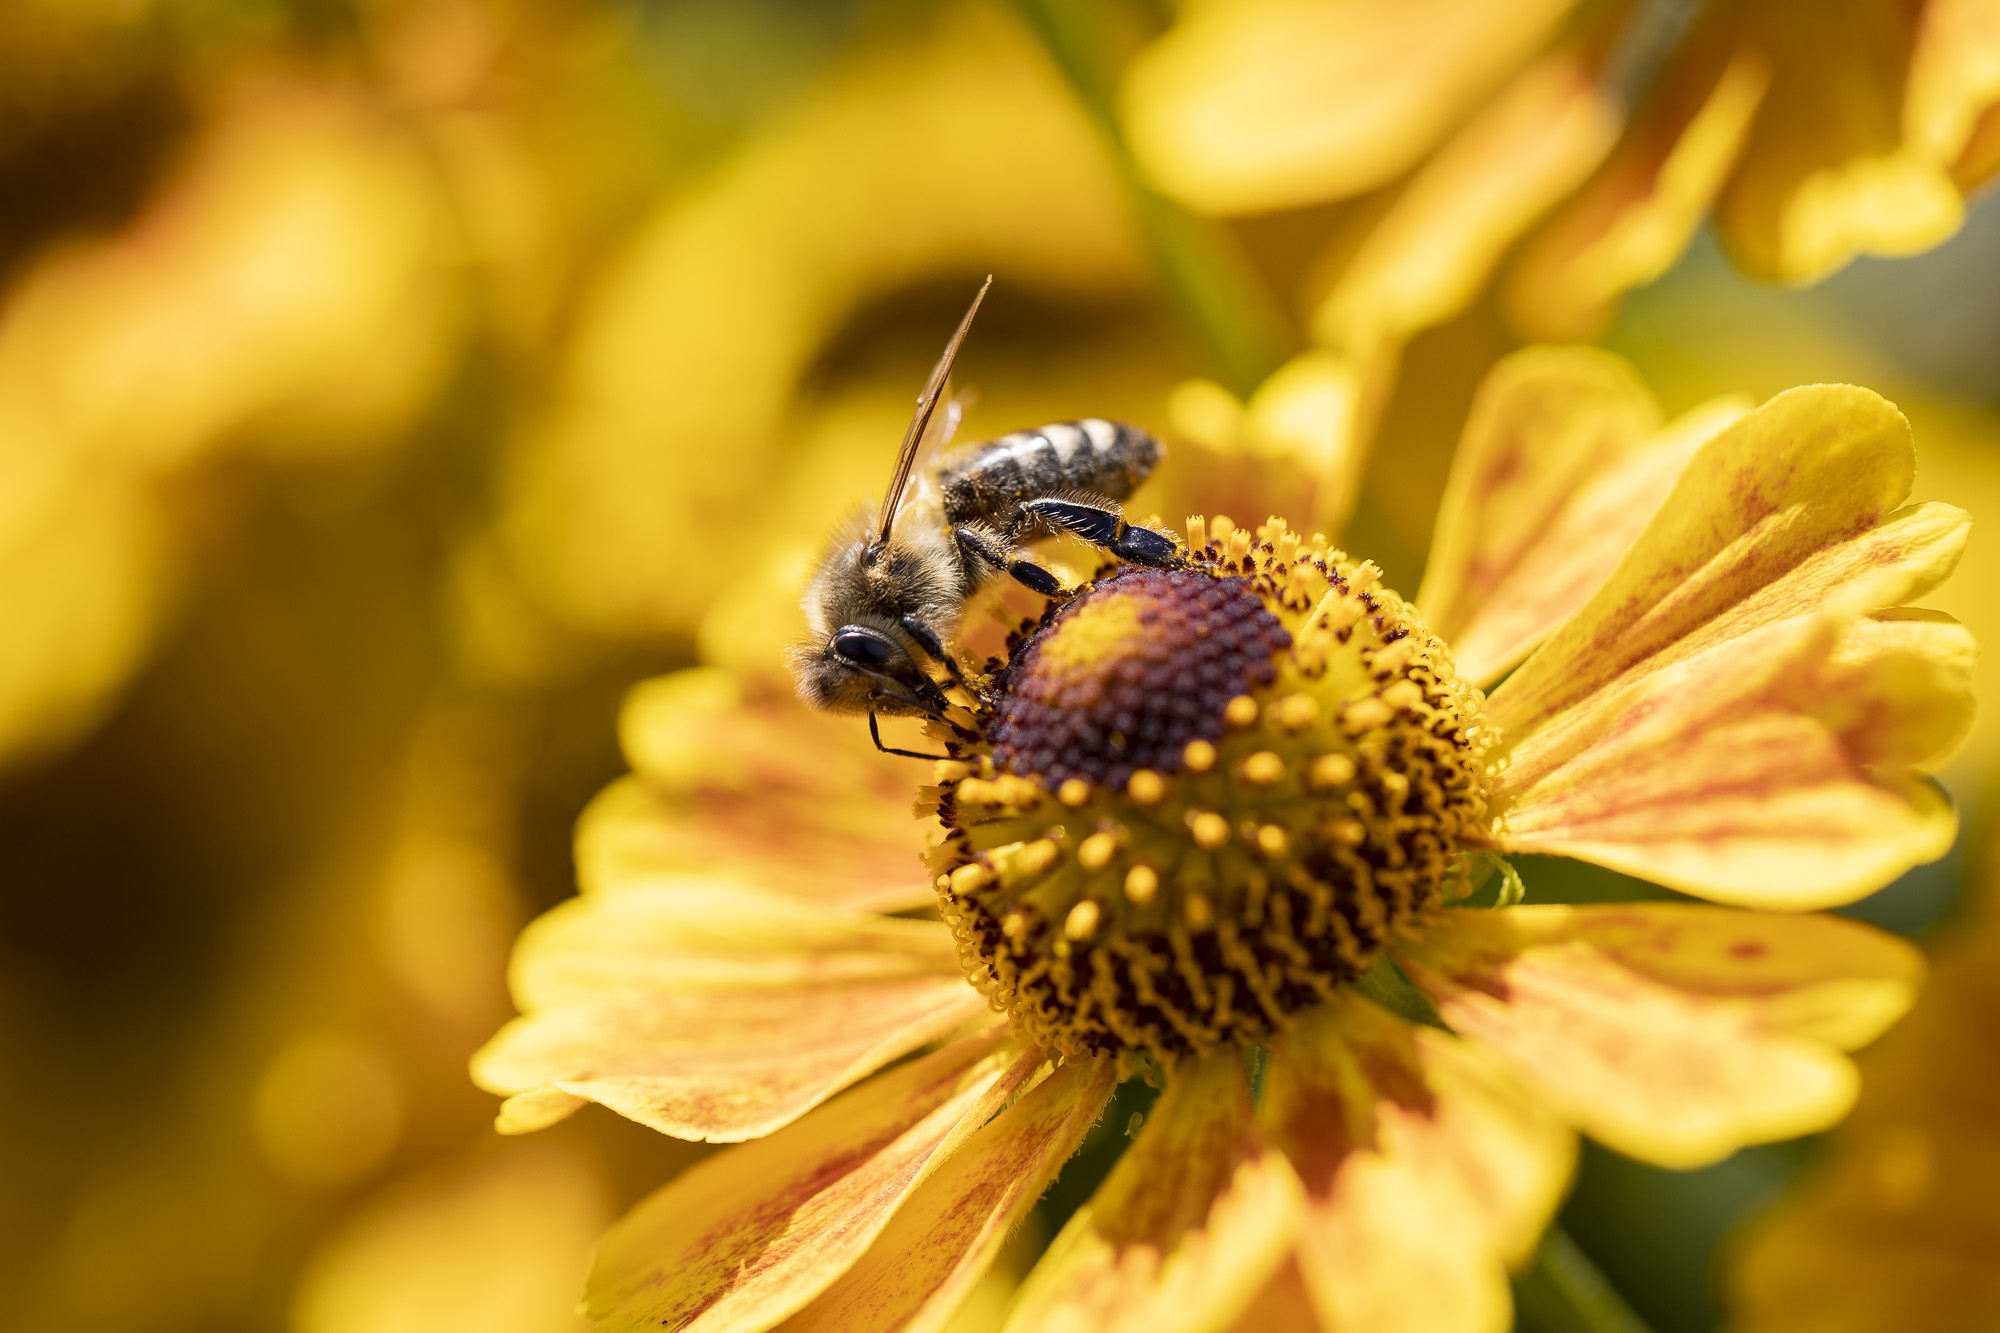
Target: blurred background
<point>387,385</point>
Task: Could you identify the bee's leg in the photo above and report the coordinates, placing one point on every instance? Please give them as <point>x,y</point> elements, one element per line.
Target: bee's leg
<point>875,734</point>
<point>997,554</point>
<point>933,645</point>
<point>1101,525</point>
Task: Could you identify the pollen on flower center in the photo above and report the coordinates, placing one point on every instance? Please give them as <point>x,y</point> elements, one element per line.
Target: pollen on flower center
<point>1200,800</point>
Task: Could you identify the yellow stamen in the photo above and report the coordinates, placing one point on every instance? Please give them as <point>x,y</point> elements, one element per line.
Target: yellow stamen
<point>1240,711</point>
<point>1295,712</point>
<point>1263,769</point>
<point>1368,714</point>
<point>1141,884</point>
<point>1081,923</point>
<point>1097,851</point>
<point>1145,787</point>
<point>970,878</point>
<point>1209,829</point>
<point>1330,770</point>
<point>1199,756</point>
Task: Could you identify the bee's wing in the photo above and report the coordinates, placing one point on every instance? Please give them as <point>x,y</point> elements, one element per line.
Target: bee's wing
<point>927,403</point>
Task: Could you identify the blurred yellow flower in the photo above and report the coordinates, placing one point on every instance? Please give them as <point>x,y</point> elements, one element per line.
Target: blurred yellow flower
<point>283,294</point>
<point>1588,143</point>
<point>1719,688</point>
<point>1899,1226</point>
<point>936,155</point>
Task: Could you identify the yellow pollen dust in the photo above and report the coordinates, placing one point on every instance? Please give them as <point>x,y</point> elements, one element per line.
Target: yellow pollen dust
<point>1196,896</point>
<point>1097,632</point>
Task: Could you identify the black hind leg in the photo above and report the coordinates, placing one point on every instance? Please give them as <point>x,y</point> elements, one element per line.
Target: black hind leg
<point>1101,525</point>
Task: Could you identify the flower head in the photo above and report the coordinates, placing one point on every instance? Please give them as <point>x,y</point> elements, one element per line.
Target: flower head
<point>1241,807</point>
<point>1203,801</point>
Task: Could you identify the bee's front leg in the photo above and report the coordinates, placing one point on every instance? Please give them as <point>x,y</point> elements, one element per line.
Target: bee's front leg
<point>997,553</point>
<point>928,640</point>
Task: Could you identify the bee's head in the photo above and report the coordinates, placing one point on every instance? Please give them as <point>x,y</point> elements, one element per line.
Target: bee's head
<point>862,668</point>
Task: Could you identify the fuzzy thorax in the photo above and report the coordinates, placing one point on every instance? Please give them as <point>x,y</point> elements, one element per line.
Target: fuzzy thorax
<point>1202,800</point>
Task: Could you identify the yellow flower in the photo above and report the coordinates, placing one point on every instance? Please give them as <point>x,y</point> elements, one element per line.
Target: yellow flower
<point>1898,1228</point>
<point>1578,149</point>
<point>1234,808</point>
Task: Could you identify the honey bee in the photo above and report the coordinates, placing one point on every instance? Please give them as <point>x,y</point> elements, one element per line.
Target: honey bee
<point>892,586</point>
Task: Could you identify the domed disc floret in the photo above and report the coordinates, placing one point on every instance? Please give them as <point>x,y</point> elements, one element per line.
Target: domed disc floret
<point>1201,800</point>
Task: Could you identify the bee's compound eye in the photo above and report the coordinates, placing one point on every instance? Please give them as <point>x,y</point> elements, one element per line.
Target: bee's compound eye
<point>861,647</point>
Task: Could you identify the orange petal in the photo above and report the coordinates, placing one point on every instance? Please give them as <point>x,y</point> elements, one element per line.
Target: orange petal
<point>1191,1223</point>
<point>764,790</point>
<point>715,1011</point>
<point>952,1225</point>
<point>1439,240</point>
<point>1715,775</point>
<point>744,1238</point>
<point>1672,1033</point>
<point>1275,103</point>
<point>1633,219</point>
<point>1284,1303</point>
<point>1428,1170</point>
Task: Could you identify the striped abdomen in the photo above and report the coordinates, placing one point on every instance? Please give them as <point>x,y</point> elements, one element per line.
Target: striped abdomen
<point>1094,457</point>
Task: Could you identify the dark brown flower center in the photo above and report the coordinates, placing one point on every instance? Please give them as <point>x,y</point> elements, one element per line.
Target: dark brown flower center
<point>1203,799</point>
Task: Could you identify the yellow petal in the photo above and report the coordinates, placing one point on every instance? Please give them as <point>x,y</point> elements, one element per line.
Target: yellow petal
<point>1547,421</point>
<point>744,1238</point>
<point>1633,219</point>
<point>714,1011</point>
<point>538,1108</point>
<point>734,784</point>
<point>1428,1170</point>
<point>1715,776</point>
<point>1433,249</point>
<point>1954,77</point>
<point>1827,174</point>
<point>1773,518</point>
<point>946,1235</point>
<point>1564,563</point>
<point>687,935</point>
<point>1672,1033</point>
<point>1195,1218</point>
<point>1897,688</point>
<point>1894,1226</point>
<point>1274,103</point>
<point>1679,727</point>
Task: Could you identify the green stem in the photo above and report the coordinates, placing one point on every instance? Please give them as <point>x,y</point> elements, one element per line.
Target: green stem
<point>1204,275</point>
<point>1563,1292</point>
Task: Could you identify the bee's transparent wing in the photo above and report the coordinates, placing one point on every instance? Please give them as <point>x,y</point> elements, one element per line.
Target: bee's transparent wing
<point>927,402</point>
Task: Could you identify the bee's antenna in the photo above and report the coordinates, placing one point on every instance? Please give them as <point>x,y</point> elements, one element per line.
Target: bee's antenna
<point>926,404</point>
